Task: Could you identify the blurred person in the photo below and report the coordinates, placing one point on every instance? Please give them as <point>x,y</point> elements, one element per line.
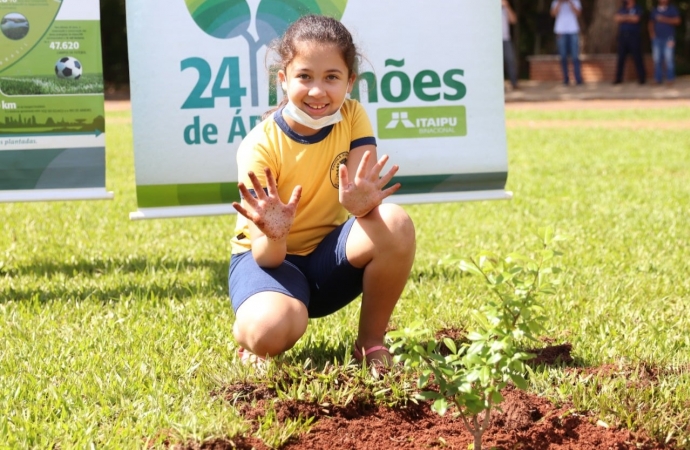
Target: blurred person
<point>567,30</point>
<point>662,31</point>
<point>509,60</point>
<point>629,20</point>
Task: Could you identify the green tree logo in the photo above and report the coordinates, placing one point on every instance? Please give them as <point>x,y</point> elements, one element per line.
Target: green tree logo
<point>227,19</point>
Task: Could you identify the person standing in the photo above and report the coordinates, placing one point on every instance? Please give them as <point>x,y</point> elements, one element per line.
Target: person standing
<point>629,18</point>
<point>509,61</point>
<point>662,31</point>
<point>567,30</point>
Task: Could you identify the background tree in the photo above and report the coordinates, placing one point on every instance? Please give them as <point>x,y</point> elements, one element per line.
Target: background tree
<point>600,36</point>
<point>533,33</point>
<point>114,42</point>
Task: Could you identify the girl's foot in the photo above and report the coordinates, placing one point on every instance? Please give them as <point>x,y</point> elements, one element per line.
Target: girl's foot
<point>248,358</point>
<point>377,354</point>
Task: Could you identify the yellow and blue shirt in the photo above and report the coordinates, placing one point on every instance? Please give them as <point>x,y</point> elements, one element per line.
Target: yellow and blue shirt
<point>309,161</point>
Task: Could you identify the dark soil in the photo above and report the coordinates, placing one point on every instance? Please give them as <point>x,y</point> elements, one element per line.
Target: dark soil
<point>551,355</point>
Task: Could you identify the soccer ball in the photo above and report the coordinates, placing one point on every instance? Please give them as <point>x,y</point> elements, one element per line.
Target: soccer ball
<point>68,68</point>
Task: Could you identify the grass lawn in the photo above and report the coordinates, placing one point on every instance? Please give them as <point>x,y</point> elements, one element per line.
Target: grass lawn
<point>113,331</point>
<point>51,85</point>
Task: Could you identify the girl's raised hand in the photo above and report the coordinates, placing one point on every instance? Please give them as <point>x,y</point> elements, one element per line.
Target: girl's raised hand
<point>365,192</point>
<point>273,217</point>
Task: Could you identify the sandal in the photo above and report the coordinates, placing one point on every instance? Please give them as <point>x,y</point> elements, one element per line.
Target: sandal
<point>363,353</point>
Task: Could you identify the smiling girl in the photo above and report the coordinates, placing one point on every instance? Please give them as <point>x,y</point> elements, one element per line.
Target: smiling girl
<point>312,233</point>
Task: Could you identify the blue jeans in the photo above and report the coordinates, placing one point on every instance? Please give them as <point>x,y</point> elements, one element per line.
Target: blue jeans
<point>662,54</point>
<point>509,62</point>
<point>569,44</point>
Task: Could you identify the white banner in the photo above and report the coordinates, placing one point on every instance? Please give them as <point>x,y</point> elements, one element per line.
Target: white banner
<point>431,82</point>
<point>52,141</point>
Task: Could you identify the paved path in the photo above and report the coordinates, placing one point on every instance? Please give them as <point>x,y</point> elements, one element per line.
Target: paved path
<point>589,94</point>
<point>532,91</point>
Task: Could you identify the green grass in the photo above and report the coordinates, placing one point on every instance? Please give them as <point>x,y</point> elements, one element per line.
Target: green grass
<point>113,331</point>
<point>87,84</point>
<point>668,113</point>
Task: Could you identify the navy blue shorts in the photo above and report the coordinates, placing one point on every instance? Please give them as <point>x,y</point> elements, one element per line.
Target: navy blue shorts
<point>324,280</point>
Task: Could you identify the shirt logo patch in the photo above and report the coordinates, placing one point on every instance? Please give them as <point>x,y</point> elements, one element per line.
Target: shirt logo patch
<point>335,168</point>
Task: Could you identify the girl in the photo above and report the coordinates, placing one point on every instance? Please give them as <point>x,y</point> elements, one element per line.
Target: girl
<point>312,234</point>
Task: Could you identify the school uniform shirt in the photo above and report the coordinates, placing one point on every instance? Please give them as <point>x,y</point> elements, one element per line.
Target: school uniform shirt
<point>664,31</point>
<point>309,161</point>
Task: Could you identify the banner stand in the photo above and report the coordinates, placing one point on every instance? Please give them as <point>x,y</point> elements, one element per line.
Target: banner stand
<point>51,195</point>
<point>199,85</point>
<point>406,199</point>
<point>52,125</point>
<point>181,211</point>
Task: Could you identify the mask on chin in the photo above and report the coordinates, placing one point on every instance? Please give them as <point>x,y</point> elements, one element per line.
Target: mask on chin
<point>291,111</point>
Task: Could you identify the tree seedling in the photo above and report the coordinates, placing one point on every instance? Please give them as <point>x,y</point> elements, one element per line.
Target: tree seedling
<point>473,374</point>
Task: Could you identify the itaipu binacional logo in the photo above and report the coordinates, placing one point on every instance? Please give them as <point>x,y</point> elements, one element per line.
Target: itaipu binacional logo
<point>421,122</point>
<point>228,19</point>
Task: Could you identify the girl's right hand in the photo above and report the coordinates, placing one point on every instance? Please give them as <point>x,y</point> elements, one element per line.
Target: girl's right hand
<point>270,215</point>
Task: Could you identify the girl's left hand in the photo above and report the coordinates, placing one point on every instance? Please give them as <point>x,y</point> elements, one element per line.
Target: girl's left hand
<point>364,192</point>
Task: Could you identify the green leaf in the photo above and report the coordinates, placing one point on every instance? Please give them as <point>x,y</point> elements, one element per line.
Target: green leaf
<point>395,346</point>
<point>485,375</point>
<point>547,254</point>
<point>519,381</point>
<point>496,397</point>
<point>546,235</point>
<point>440,406</point>
<point>470,267</point>
<point>429,395</point>
<point>498,346</point>
<point>496,357</point>
<point>473,376</point>
<point>423,380</point>
<point>474,336</point>
<point>516,257</point>
<point>451,345</point>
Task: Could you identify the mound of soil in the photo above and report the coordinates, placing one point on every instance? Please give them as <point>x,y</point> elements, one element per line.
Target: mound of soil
<point>526,421</point>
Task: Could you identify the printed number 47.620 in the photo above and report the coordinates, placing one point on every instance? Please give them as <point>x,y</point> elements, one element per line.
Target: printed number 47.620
<point>64,45</point>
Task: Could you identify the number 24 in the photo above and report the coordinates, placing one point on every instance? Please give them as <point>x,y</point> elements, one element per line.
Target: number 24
<point>229,66</point>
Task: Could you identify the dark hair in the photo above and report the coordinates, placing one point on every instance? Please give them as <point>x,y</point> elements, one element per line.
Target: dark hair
<point>318,29</point>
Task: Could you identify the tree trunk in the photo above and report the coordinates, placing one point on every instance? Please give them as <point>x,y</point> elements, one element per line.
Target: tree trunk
<point>601,34</point>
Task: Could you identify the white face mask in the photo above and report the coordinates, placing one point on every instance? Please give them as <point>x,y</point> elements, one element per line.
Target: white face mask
<point>291,111</point>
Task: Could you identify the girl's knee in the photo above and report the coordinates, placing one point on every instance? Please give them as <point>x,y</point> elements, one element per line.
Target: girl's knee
<point>398,222</point>
<point>270,327</point>
<point>385,233</point>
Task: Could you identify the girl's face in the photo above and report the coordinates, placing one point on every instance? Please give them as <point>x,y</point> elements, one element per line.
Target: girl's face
<point>316,81</point>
